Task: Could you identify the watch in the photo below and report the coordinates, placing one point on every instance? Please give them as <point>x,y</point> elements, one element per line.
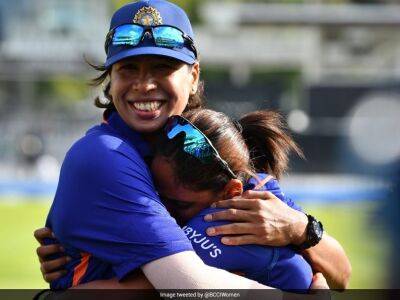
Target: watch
<point>314,231</point>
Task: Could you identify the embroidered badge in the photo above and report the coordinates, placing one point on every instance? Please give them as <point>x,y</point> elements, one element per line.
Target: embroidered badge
<point>148,16</point>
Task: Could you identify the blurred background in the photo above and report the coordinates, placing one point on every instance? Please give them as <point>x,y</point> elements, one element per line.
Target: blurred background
<point>331,67</point>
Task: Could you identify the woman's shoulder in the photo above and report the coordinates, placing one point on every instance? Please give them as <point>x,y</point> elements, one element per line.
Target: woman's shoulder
<point>99,138</point>
<point>265,182</point>
<point>101,148</point>
<point>104,164</point>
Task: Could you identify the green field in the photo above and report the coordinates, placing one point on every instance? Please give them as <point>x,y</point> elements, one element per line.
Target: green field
<point>349,223</point>
<point>364,240</point>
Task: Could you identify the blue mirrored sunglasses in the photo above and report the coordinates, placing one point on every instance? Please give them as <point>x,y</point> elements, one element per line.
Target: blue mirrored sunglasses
<point>163,36</point>
<point>195,142</point>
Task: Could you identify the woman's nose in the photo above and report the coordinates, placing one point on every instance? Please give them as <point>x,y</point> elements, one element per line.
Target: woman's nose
<point>144,82</point>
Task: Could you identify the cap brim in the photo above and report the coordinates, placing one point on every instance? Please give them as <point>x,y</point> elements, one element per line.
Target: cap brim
<point>150,51</point>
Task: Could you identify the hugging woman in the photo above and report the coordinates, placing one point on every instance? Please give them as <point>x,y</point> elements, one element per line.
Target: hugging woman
<point>107,211</point>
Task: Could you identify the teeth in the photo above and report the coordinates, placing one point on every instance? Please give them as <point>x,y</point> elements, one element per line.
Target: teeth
<point>148,105</point>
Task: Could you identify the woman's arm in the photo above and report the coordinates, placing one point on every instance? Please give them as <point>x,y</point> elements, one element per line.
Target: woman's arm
<point>318,287</point>
<point>138,280</point>
<point>329,258</point>
<point>184,270</point>
<point>274,223</point>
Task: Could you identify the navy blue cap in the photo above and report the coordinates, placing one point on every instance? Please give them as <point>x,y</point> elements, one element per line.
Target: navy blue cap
<point>151,12</point>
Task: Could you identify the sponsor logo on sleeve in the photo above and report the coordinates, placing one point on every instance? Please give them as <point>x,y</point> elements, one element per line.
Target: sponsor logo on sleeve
<point>198,238</point>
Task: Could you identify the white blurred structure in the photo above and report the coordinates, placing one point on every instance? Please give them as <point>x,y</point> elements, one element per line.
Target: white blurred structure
<point>298,121</point>
<point>357,42</point>
<point>334,46</point>
<point>374,127</point>
<point>45,37</point>
<point>322,40</point>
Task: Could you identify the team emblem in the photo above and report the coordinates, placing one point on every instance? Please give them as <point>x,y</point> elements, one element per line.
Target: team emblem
<point>148,16</point>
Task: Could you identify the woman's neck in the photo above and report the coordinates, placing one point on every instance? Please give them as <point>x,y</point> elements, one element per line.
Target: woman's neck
<point>151,138</point>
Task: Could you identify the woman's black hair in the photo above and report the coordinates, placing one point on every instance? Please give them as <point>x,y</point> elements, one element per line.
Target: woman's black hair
<point>269,141</point>
<point>258,142</point>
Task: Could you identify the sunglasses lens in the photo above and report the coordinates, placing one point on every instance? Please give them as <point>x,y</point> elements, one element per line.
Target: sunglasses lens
<point>197,146</point>
<point>168,37</point>
<point>194,144</point>
<point>199,149</point>
<point>129,34</point>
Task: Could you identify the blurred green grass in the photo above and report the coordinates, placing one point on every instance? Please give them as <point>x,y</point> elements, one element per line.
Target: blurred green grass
<point>350,223</point>
<point>354,225</point>
<point>19,266</point>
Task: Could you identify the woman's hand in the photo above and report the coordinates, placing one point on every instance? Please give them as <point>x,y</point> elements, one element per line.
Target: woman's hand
<point>258,221</point>
<point>319,282</point>
<point>319,290</point>
<point>51,269</point>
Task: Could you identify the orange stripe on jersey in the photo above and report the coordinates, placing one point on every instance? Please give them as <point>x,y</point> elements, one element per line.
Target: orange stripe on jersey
<point>263,182</point>
<point>80,269</point>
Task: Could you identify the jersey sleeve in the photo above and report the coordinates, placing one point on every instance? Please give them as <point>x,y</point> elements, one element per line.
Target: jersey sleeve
<point>291,271</point>
<point>106,205</point>
<point>252,260</point>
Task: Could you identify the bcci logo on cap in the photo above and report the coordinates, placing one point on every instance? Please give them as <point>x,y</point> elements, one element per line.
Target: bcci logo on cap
<point>148,16</point>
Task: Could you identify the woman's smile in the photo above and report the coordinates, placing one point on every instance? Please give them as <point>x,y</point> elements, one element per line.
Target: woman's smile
<point>147,110</point>
<point>147,106</point>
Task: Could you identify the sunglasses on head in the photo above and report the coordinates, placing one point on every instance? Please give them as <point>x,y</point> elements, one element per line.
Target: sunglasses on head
<point>163,35</point>
<point>195,142</point>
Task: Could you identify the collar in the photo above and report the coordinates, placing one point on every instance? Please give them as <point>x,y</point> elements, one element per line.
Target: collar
<point>259,182</point>
<point>113,119</point>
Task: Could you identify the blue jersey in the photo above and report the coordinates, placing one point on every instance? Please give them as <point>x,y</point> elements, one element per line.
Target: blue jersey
<point>279,267</point>
<point>111,221</point>
<point>106,212</point>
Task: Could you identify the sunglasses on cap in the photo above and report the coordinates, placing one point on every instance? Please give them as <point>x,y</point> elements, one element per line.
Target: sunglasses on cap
<point>163,35</point>
<point>195,143</point>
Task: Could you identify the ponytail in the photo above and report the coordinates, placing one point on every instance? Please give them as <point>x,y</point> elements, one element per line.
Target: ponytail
<point>269,141</point>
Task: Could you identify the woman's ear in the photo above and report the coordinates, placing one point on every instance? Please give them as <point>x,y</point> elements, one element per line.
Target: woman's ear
<point>195,72</point>
<point>233,188</point>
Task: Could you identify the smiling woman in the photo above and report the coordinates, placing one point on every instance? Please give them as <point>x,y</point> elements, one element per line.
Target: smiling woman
<point>149,81</point>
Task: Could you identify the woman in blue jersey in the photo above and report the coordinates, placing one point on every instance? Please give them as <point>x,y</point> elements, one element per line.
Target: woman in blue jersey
<point>192,169</point>
<point>105,181</point>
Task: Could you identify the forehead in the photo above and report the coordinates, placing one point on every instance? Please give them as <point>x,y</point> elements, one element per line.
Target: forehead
<point>164,176</point>
<point>167,185</point>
